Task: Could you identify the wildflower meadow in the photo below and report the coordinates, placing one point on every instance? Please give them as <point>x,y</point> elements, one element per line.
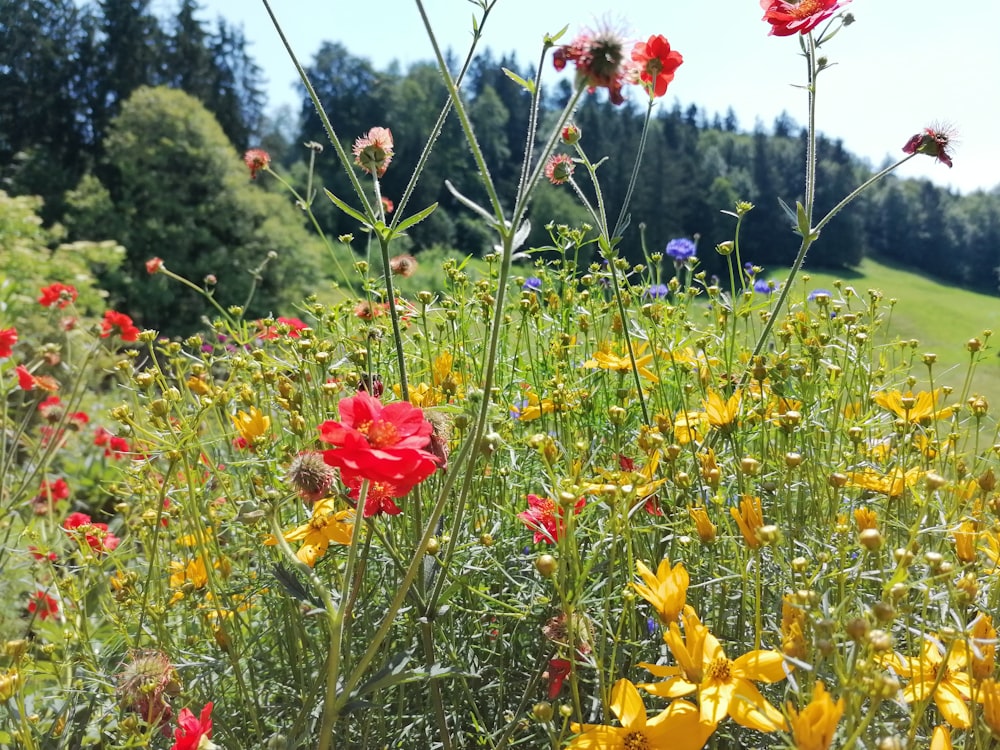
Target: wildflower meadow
<point>559,500</point>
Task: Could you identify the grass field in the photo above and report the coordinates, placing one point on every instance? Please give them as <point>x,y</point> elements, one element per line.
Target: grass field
<point>941,317</point>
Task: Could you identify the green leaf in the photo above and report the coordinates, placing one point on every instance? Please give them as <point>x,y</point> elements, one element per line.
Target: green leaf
<point>347,209</point>
<point>414,219</point>
<point>528,86</point>
<point>801,219</point>
<point>553,38</point>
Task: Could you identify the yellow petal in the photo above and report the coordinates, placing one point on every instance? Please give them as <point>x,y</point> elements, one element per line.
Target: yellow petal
<point>761,666</point>
<point>715,698</point>
<point>627,705</point>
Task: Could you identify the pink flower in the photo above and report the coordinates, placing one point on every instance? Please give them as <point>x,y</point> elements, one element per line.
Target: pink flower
<point>256,159</point>
<point>42,605</point>
<point>96,535</point>
<point>8,337</point>
<point>559,169</point>
<point>60,295</point>
<point>192,733</point>
<point>373,151</point>
<point>387,205</point>
<point>120,324</point>
<point>546,518</point>
<point>787,18</point>
<point>657,63</point>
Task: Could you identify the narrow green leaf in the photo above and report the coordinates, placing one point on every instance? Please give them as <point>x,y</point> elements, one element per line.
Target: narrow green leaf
<point>801,220</point>
<point>415,219</point>
<point>528,86</point>
<point>347,209</point>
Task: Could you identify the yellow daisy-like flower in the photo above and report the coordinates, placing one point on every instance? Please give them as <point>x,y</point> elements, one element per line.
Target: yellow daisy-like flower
<point>921,408</point>
<point>965,540</point>
<point>813,728</point>
<point>10,682</point>
<point>939,675</point>
<point>865,518</point>
<point>666,590</point>
<point>532,408</point>
<point>722,413</point>
<point>892,484</point>
<point>703,524</point>
<point>690,426</point>
<point>677,727</point>
<point>989,696</point>
<point>193,575</point>
<point>724,686</point>
<point>252,424</point>
<point>326,525</point>
<point>749,517</point>
<point>941,738</point>
<point>605,359</point>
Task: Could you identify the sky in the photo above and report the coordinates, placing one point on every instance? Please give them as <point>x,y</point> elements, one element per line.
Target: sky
<point>902,66</point>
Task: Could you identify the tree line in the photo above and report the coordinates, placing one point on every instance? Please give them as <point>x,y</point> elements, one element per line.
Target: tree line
<point>68,70</point>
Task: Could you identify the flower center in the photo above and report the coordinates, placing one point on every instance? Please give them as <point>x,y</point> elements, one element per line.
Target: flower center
<point>807,8</point>
<point>635,741</point>
<point>380,434</point>
<point>720,670</point>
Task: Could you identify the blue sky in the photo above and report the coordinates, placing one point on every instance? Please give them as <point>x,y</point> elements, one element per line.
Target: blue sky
<point>902,66</point>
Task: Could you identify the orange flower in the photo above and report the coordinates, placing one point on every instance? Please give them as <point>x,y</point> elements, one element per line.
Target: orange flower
<point>749,518</point>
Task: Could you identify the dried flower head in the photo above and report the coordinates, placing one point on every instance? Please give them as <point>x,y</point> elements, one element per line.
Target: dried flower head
<point>256,159</point>
<point>373,151</point>
<point>403,265</point>
<point>311,475</point>
<point>932,142</point>
<point>599,56</point>
<point>145,681</point>
<point>559,169</point>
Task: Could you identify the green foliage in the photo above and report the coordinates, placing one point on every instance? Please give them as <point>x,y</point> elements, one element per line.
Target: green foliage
<point>176,189</point>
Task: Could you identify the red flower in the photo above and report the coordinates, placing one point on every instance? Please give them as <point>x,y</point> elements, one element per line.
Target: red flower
<point>379,499</point>
<point>657,63</point>
<point>546,518</point>
<point>190,731</point>
<point>570,135</point>
<point>153,265</point>
<point>114,446</point>
<point>96,535</point>
<point>43,605</point>
<point>787,18</point>
<point>118,323</point>
<point>29,382</point>
<point>558,671</point>
<point>39,555</point>
<point>60,295</point>
<point>931,142</point>
<point>294,325</point>
<point>384,444</point>
<point>256,159</point>
<point>8,337</point>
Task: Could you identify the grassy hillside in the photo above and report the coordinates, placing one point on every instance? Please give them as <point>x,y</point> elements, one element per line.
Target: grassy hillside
<point>942,317</point>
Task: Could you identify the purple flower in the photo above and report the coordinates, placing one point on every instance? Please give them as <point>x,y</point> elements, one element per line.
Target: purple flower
<point>681,249</point>
<point>532,284</point>
<point>657,291</point>
<point>817,292</point>
<point>748,269</point>
<point>762,286</point>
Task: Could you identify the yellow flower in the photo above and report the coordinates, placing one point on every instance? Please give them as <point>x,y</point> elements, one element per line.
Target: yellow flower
<point>933,675</point>
<point>941,738</point>
<point>892,484</point>
<point>703,524</point>
<point>989,696</point>
<point>193,575</point>
<point>638,483</point>
<point>325,526</point>
<point>749,518</point>
<point>965,540</point>
<point>724,686</point>
<point>606,360</point>
<point>666,591</point>
<point>10,681</point>
<point>722,413</point>
<point>690,426</point>
<point>676,727</point>
<point>532,408</point>
<point>982,646</point>
<point>813,728</point>
<point>865,518</point>
<point>920,408</point>
<point>251,425</point>
<point>793,622</point>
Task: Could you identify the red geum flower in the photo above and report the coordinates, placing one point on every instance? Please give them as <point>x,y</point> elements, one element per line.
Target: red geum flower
<point>384,444</point>
<point>932,142</point>
<point>268,333</point>
<point>96,535</point>
<point>39,555</point>
<point>192,733</point>
<point>379,499</point>
<point>29,382</point>
<point>787,18</point>
<point>256,159</point>
<point>657,63</point>
<point>546,518</point>
<point>8,337</point>
<point>118,323</point>
<point>42,605</point>
<point>558,671</point>
<point>51,409</point>
<point>153,265</point>
<point>60,295</point>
